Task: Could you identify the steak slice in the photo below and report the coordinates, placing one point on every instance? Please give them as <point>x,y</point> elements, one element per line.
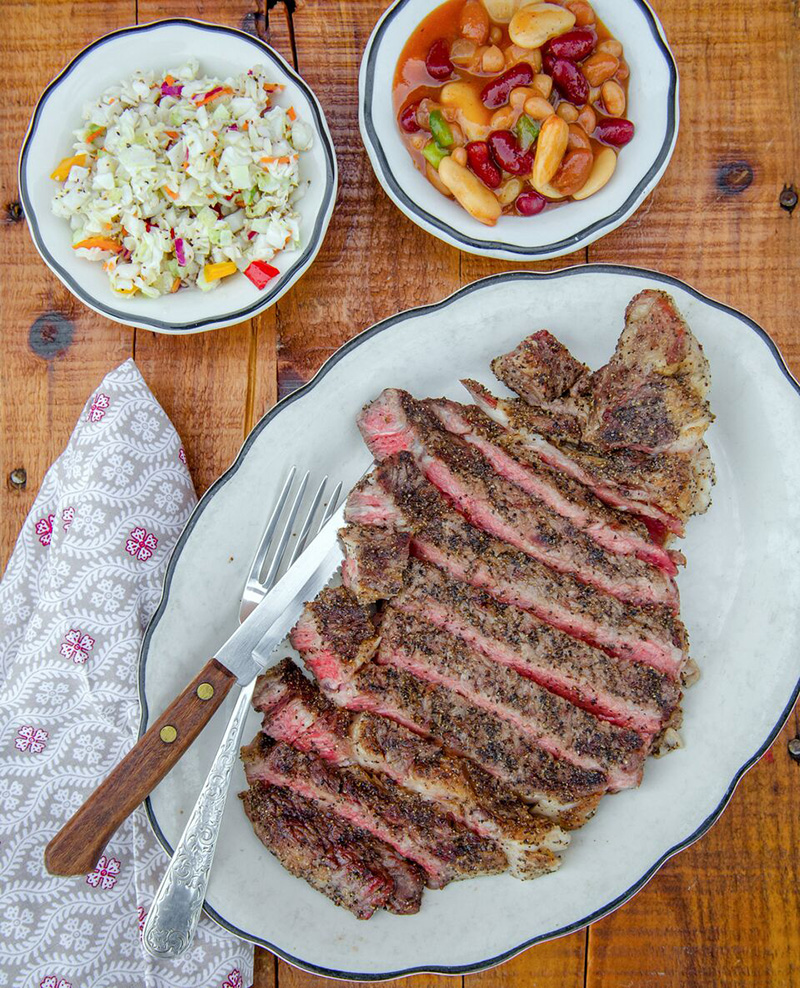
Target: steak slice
<point>396,494</point>
<point>662,489</point>
<point>346,863</point>
<point>559,728</point>
<point>652,394</point>
<point>396,421</point>
<point>296,712</point>
<point>414,827</point>
<point>540,369</point>
<point>375,562</point>
<point>347,641</point>
<point>560,790</point>
<point>614,531</point>
<point>627,693</point>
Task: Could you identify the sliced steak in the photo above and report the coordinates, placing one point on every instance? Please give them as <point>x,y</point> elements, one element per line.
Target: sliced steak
<point>296,712</point>
<point>627,693</point>
<point>613,530</point>
<point>396,421</point>
<point>345,863</point>
<point>652,394</point>
<point>349,638</point>
<point>414,827</point>
<point>564,731</point>
<point>662,489</point>
<point>396,492</point>
<point>375,562</point>
<point>540,369</point>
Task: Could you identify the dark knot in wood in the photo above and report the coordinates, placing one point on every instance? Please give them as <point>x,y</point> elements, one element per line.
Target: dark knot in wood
<point>18,479</point>
<point>734,177</point>
<point>788,198</point>
<point>288,381</point>
<point>14,212</point>
<point>51,335</point>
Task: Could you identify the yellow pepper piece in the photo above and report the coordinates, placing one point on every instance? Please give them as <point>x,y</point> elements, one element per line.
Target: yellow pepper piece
<point>62,172</point>
<point>126,291</point>
<point>221,270</point>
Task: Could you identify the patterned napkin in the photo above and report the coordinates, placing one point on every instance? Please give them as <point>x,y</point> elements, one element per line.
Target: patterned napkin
<point>82,583</point>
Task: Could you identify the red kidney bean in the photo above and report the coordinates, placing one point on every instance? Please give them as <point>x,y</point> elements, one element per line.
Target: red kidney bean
<point>508,154</point>
<point>529,203</point>
<point>496,92</point>
<point>614,131</point>
<point>574,45</point>
<point>408,119</point>
<point>480,161</point>
<point>437,61</point>
<point>548,61</point>
<point>570,81</point>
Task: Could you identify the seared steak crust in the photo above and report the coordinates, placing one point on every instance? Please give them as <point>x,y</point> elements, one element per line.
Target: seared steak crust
<point>539,369</point>
<point>374,563</point>
<point>345,863</point>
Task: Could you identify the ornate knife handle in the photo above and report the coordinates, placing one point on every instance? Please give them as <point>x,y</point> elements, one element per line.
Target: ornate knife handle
<point>175,912</point>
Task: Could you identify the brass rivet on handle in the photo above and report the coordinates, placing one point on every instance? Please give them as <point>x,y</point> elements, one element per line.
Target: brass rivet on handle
<point>168,734</point>
<point>205,691</point>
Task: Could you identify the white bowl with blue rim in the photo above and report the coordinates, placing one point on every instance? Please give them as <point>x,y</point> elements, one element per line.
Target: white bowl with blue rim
<point>652,106</point>
<point>222,52</point>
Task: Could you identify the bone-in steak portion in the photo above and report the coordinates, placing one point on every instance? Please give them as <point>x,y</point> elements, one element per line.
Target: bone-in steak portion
<point>346,863</point>
<point>414,827</point>
<point>295,712</point>
<point>398,495</point>
<point>610,529</point>
<point>563,730</point>
<point>627,693</point>
<point>395,421</point>
<point>375,562</point>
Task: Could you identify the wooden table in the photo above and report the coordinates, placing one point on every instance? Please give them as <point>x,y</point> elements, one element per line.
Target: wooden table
<point>726,911</point>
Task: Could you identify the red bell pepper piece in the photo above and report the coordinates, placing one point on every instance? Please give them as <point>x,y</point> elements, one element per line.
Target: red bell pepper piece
<point>259,272</point>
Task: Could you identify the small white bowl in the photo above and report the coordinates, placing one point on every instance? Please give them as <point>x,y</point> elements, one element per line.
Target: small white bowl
<point>221,52</point>
<point>652,105</point>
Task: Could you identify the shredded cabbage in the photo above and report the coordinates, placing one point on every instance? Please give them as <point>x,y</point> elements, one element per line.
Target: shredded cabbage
<point>182,172</point>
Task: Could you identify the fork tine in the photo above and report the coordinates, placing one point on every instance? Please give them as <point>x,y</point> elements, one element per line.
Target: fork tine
<point>333,501</point>
<point>269,531</point>
<point>303,535</point>
<point>274,566</point>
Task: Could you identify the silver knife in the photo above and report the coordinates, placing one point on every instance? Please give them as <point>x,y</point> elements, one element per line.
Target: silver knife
<point>175,912</point>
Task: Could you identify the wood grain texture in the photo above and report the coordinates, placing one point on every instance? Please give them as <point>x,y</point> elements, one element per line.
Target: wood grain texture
<point>77,847</point>
<point>48,367</point>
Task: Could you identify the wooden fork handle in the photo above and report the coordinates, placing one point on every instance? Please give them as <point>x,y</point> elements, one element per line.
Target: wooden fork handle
<point>76,848</point>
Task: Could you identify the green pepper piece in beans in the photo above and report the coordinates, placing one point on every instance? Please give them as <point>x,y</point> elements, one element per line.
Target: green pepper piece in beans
<point>527,130</point>
<point>434,153</point>
<point>440,129</point>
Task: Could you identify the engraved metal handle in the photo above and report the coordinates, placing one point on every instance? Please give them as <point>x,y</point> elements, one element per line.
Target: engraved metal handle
<point>175,912</point>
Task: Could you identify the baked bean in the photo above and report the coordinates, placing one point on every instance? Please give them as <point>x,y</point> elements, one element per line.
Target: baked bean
<point>433,177</point>
<point>623,72</point>
<point>534,24</point>
<point>463,52</point>
<point>584,15</point>
<point>437,61</point>
<point>460,155</point>
<point>614,130</point>
<point>538,108</point>
<point>578,138</point>
<point>503,118</point>
<point>567,112</point>
<point>509,191</point>
<point>544,83</point>
<point>508,154</point>
<point>496,92</point>
<point>501,11</point>
<point>474,22</point>
<point>605,161</point>
<point>594,94</point>
<point>570,81</point>
<point>473,195</point>
<point>550,149</point>
<point>529,203</point>
<point>408,119</point>
<point>480,161</point>
<point>493,60</point>
<point>471,113</point>
<point>587,118</point>
<point>574,45</point>
<point>519,96</point>
<point>495,35</point>
<point>599,67</point>
<point>573,171</point>
<point>613,98</point>
<point>612,46</point>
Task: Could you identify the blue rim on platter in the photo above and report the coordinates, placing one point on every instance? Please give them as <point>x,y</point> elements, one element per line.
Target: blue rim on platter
<point>500,248</point>
<point>287,277</point>
<point>381,327</point>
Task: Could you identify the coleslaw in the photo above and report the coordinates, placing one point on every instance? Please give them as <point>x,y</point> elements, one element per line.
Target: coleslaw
<point>182,180</point>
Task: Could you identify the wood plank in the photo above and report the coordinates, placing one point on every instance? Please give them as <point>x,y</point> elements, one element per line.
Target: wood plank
<point>227,378</point>
<point>291,977</point>
<point>557,964</point>
<point>374,261</point>
<point>55,351</point>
